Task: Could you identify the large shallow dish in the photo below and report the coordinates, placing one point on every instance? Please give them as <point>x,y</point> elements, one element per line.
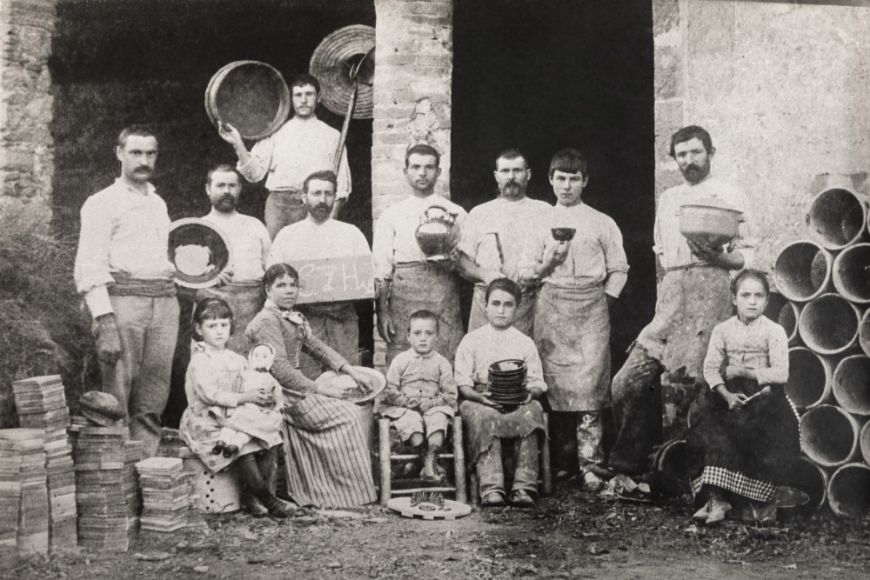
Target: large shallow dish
<point>200,252</point>
<point>708,222</point>
<point>251,96</point>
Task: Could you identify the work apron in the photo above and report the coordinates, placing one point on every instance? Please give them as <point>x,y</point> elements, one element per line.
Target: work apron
<point>572,333</point>
<point>425,286</point>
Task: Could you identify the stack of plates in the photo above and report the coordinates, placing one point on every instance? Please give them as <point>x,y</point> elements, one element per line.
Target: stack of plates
<point>42,405</point>
<point>100,489</point>
<point>507,382</point>
<point>166,493</point>
<point>23,492</point>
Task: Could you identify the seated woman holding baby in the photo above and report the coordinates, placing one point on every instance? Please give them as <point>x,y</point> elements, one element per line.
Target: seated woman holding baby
<point>330,465</point>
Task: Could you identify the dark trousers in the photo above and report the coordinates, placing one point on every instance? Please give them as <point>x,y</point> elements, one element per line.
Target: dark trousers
<point>637,410</point>
<point>255,471</point>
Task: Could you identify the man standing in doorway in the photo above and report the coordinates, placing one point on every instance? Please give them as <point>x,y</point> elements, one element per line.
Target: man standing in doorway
<point>693,296</point>
<point>582,277</point>
<point>320,237</point>
<point>497,238</point>
<point>303,145</point>
<point>123,272</point>
<point>241,283</point>
<point>407,281</point>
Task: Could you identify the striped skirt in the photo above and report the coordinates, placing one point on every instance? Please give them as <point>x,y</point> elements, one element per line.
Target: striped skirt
<point>330,464</point>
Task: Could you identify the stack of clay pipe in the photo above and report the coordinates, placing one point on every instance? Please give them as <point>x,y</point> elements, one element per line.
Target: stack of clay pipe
<point>823,285</point>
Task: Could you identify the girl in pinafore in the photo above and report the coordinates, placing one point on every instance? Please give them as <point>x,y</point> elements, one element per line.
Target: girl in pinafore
<point>743,429</point>
<point>213,385</point>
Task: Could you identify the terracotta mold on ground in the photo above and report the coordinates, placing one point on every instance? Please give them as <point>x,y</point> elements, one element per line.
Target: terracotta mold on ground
<point>851,273</point>
<point>836,217</point>
<point>809,378</point>
<point>851,384</point>
<point>849,490</point>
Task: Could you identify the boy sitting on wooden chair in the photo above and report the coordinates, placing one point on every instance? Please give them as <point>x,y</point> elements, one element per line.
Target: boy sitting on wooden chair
<point>420,397</point>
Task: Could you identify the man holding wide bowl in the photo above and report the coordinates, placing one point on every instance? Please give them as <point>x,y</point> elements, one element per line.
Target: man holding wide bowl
<point>693,296</point>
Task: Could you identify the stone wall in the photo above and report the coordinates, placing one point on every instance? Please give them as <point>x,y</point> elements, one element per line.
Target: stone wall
<point>26,164</point>
<point>781,87</point>
<point>414,55</point>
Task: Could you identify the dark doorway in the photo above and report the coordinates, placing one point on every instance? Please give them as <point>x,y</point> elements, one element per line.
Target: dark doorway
<point>546,74</point>
<point>149,61</point>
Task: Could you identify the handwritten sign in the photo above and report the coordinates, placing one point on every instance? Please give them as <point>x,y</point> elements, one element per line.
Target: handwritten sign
<point>335,279</point>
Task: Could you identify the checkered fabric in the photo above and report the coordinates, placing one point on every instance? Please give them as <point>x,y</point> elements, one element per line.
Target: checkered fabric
<point>735,482</point>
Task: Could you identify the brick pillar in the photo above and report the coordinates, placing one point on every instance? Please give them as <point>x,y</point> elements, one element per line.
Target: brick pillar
<point>412,96</point>
<point>26,163</point>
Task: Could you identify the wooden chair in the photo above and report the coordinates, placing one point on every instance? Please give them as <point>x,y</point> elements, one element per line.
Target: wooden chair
<point>545,475</point>
<point>385,458</point>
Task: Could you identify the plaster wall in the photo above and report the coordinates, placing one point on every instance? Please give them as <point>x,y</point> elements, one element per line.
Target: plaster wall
<point>782,88</point>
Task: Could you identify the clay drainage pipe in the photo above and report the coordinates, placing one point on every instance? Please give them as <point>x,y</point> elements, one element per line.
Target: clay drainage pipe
<point>864,439</point>
<point>829,324</point>
<point>809,378</point>
<point>836,217</point>
<point>806,476</point>
<point>851,384</point>
<point>829,435</point>
<point>864,332</point>
<point>784,313</point>
<point>802,270</point>
<point>849,490</point>
<point>851,273</point>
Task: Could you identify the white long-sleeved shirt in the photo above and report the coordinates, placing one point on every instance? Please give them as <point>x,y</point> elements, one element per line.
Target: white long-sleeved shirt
<point>249,240</point>
<point>308,240</point>
<point>486,345</point>
<point>761,345</point>
<point>671,246</point>
<point>295,151</point>
<point>498,234</point>
<point>123,231</point>
<point>595,254</point>
<point>395,239</point>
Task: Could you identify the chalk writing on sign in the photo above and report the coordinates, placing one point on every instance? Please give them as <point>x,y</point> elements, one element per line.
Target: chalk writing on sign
<point>335,279</point>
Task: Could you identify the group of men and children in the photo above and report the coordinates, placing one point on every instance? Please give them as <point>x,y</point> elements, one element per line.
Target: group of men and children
<point>541,296</point>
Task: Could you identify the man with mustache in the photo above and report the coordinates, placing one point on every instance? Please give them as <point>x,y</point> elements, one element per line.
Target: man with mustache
<point>303,145</point>
<point>240,284</point>
<point>497,239</point>
<point>125,277</point>
<point>320,237</point>
<point>693,296</point>
<point>407,280</point>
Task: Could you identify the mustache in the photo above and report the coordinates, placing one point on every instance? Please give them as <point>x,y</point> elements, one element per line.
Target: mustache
<point>144,168</point>
<point>324,206</point>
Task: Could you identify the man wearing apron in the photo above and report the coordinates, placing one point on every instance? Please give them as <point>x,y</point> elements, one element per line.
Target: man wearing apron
<point>122,270</point>
<point>496,239</point>
<point>406,280</point>
<point>303,145</point>
<point>572,322</point>
<point>320,237</point>
<point>693,296</point>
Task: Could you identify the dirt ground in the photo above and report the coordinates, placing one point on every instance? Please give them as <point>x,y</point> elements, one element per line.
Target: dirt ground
<point>569,535</point>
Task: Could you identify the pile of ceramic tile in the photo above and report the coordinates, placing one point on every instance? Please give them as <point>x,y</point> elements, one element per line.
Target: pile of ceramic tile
<point>24,514</point>
<point>41,405</point>
<point>134,452</point>
<point>101,492</point>
<point>166,494</point>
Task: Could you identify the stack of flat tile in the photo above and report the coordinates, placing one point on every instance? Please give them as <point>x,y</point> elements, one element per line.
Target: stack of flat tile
<point>23,491</point>
<point>41,405</point>
<point>166,494</point>
<point>134,452</point>
<point>100,488</point>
